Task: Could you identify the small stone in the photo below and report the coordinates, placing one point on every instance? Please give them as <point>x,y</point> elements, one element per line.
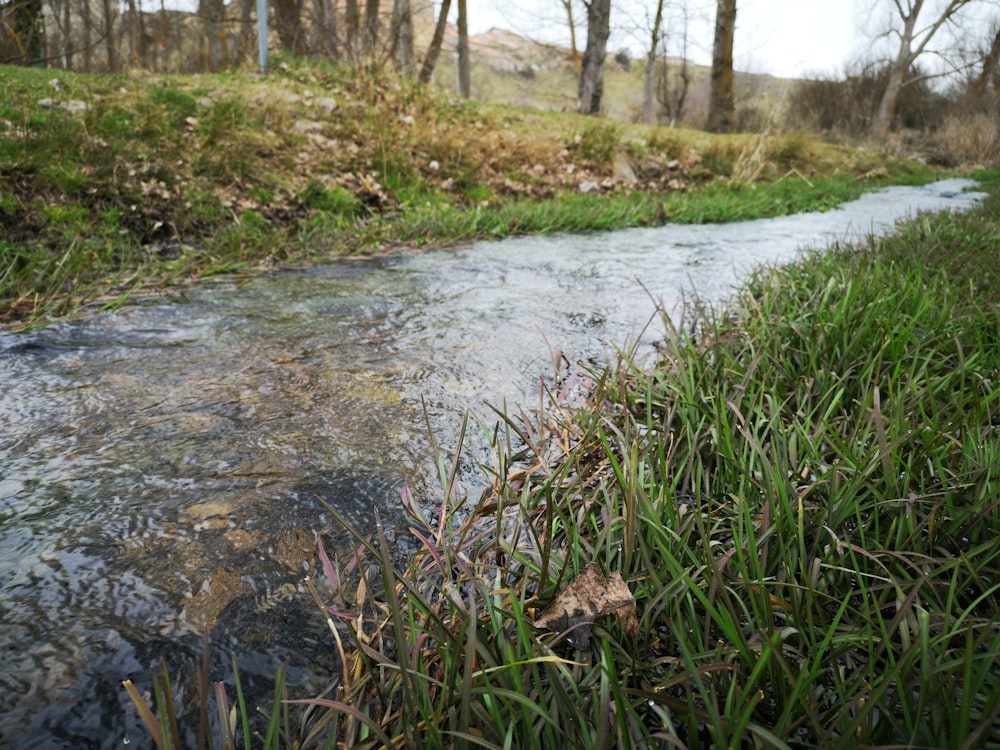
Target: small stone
<point>307,126</point>
<point>589,186</point>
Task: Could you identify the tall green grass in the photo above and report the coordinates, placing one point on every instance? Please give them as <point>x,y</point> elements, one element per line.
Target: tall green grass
<point>801,493</point>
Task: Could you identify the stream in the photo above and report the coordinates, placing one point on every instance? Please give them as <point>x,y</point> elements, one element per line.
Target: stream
<point>161,467</point>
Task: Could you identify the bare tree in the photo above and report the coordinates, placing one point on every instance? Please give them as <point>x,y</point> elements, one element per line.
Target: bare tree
<point>213,13</point>
<point>434,49</point>
<point>571,22</point>
<point>22,25</point>
<point>721,103</point>
<point>991,64</point>
<point>464,73</point>
<point>324,39</point>
<point>402,35</point>
<point>913,41</point>
<point>110,36</point>
<point>352,25</point>
<point>672,87</point>
<point>288,23</point>
<point>648,98</point>
<point>591,87</point>
<point>371,27</point>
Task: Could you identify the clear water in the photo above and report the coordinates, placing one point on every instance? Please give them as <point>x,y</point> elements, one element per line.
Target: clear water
<point>161,467</point>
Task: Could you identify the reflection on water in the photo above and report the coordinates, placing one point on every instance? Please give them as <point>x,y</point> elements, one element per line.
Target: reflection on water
<point>161,468</point>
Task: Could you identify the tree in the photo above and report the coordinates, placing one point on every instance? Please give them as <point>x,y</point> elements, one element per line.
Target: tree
<point>370,34</point>
<point>721,103</point>
<point>990,70</point>
<point>913,41</point>
<point>110,35</point>
<point>213,13</point>
<point>402,35</point>
<point>464,73</point>
<point>434,50</point>
<point>591,87</point>
<point>25,31</point>
<point>574,50</point>
<point>654,45</point>
<point>352,24</point>
<point>672,86</point>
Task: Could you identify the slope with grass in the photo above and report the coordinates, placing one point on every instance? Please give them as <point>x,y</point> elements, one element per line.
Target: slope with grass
<point>116,185</point>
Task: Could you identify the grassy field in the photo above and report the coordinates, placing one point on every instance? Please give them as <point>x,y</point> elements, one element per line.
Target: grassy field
<point>112,186</point>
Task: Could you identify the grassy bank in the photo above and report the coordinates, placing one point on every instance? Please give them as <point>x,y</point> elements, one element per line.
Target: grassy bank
<point>800,496</point>
<point>125,184</point>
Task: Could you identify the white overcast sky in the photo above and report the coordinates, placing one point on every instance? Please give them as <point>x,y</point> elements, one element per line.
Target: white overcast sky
<point>781,37</point>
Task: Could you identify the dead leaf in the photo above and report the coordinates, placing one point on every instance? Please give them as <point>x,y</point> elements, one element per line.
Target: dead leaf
<point>589,596</point>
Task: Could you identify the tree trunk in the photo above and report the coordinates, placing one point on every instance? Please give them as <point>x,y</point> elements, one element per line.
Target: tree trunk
<point>133,33</point>
<point>161,49</point>
<point>288,23</point>
<point>87,21</point>
<point>371,27</point>
<point>434,50</point>
<point>991,68</point>
<point>352,22</point>
<point>111,46</point>
<point>648,115</point>
<point>591,86</point>
<point>721,103</point>
<point>326,28</point>
<point>464,72</point>
<point>67,35</point>
<point>402,35</point>
<point>212,13</point>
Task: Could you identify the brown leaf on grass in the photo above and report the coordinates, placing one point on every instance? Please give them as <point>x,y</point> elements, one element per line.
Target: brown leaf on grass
<point>589,596</point>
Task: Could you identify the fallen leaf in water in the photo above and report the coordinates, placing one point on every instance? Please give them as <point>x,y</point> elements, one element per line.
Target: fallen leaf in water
<point>589,596</point>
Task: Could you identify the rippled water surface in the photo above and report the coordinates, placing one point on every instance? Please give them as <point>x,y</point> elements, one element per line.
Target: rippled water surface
<point>161,467</point>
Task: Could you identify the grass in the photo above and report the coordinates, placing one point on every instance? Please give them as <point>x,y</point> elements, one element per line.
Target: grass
<point>800,494</point>
<point>129,184</point>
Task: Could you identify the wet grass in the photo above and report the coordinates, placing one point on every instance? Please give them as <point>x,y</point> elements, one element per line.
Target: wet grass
<point>122,185</point>
<point>800,493</point>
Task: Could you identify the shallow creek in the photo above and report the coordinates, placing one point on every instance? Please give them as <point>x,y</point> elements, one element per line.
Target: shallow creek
<point>160,467</point>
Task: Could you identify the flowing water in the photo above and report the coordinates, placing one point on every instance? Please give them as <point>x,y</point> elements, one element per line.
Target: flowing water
<point>161,467</point>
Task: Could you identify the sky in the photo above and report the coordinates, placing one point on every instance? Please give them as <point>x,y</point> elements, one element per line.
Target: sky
<point>782,37</point>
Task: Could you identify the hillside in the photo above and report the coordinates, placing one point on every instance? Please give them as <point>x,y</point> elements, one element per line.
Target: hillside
<point>511,69</point>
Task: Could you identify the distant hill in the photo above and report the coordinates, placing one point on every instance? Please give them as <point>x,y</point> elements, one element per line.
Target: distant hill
<point>508,68</point>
